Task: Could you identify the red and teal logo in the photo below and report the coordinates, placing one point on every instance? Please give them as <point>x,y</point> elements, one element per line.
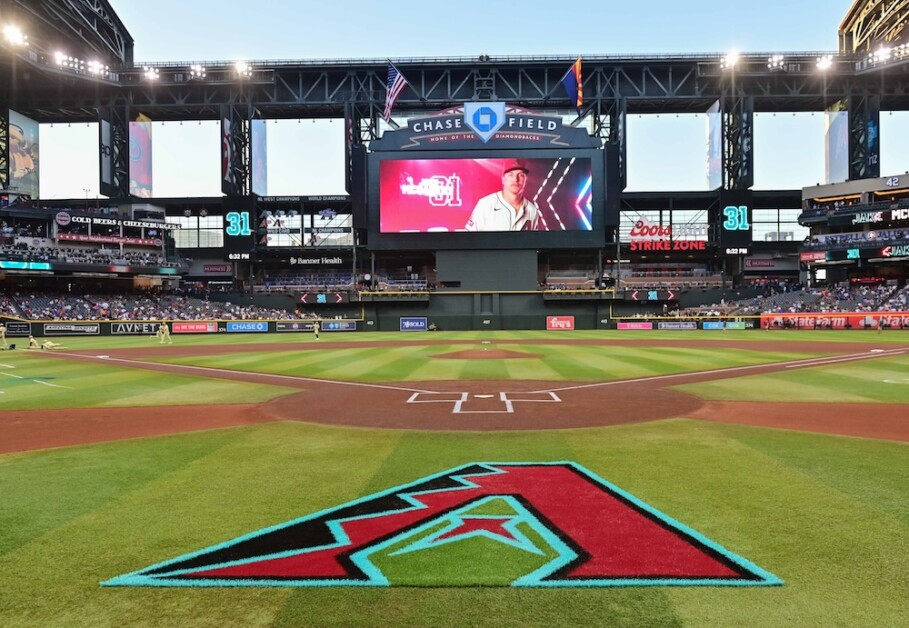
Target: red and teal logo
<point>482,524</point>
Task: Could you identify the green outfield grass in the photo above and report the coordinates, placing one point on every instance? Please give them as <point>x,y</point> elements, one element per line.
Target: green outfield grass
<point>34,381</point>
<point>555,362</point>
<point>829,515</point>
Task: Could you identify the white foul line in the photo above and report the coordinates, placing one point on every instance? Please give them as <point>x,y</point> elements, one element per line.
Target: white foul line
<point>211,369</point>
<point>751,367</point>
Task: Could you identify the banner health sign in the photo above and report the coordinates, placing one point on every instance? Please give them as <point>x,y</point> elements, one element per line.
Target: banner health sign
<point>340,325</point>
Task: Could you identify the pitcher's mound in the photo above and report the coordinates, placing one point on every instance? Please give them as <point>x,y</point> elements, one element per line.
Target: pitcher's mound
<point>486,354</point>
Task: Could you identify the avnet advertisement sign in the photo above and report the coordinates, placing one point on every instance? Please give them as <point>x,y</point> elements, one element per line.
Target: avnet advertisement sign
<point>134,329</point>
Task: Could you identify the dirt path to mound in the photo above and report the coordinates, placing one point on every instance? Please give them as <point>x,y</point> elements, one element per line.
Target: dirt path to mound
<point>461,405</point>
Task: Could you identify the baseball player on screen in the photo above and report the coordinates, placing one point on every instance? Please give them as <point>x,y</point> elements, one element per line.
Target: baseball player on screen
<point>507,210</point>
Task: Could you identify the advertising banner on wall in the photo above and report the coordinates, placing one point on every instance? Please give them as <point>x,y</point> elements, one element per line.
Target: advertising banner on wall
<point>414,323</point>
<point>559,322</point>
<point>71,329</point>
<point>259,141</point>
<point>140,159</point>
<point>197,327</point>
<point>836,143</point>
<point>836,320</point>
<point>23,154</point>
<point>714,146</point>
<point>635,325</point>
<point>134,329</point>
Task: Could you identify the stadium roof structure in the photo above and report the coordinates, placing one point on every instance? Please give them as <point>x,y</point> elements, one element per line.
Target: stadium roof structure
<point>97,70</point>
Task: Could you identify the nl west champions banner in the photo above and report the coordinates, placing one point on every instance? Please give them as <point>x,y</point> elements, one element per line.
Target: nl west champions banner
<point>438,195</point>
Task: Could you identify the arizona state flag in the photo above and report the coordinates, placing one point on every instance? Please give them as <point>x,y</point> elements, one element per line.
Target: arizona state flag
<point>574,85</point>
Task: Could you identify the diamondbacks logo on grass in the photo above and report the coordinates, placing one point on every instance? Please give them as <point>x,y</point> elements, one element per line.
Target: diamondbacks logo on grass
<point>483,524</point>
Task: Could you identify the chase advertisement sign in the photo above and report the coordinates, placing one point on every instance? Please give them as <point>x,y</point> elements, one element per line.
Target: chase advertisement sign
<point>484,118</point>
<point>247,326</point>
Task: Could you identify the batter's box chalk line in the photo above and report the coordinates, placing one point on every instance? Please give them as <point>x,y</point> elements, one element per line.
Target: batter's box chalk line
<point>460,399</point>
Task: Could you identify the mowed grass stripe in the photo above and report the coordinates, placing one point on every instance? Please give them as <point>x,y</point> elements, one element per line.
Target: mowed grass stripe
<point>852,382</point>
<point>43,490</point>
<point>381,365</point>
<point>271,474</point>
<point>874,472</point>
<point>821,541</point>
<point>77,385</point>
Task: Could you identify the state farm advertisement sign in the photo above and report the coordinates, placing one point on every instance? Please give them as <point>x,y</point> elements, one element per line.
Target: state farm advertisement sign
<point>559,322</point>
<point>837,320</point>
<point>650,237</point>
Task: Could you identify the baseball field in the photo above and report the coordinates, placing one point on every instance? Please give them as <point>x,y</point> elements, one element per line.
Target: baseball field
<point>698,478</point>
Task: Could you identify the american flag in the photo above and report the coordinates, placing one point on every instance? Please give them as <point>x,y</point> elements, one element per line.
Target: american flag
<point>393,86</point>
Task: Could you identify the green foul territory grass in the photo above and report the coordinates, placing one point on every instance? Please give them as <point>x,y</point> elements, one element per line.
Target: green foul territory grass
<point>827,514</point>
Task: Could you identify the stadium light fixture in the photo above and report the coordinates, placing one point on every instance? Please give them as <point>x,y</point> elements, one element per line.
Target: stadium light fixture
<point>97,68</point>
<point>824,63</point>
<point>881,55</point>
<point>243,69</point>
<point>150,73</point>
<point>729,61</point>
<point>14,36</point>
<point>197,71</point>
<point>776,62</point>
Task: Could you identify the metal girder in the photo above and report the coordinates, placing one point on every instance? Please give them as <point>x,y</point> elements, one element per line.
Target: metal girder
<point>873,23</point>
<point>737,114</point>
<point>4,148</point>
<point>609,120</point>
<point>864,136</point>
<point>114,151</point>
<point>236,139</point>
<point>303,90</point>
<point>92,26</point>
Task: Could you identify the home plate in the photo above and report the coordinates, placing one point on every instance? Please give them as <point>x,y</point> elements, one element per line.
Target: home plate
<point>484,396</point>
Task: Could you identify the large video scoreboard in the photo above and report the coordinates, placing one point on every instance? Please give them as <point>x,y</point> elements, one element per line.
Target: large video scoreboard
<point>487,176</point>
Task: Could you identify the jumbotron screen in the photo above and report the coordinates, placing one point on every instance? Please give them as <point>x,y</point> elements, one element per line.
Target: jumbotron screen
<point>523,200</point>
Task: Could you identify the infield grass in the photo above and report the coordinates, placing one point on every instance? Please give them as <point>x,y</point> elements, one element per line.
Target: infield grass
<point>826,514</point>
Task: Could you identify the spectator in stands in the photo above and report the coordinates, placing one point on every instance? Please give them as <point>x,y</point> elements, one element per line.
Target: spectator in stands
<point>507,210</point>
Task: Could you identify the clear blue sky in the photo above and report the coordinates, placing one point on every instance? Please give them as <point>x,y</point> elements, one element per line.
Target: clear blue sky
<point>664,153</point>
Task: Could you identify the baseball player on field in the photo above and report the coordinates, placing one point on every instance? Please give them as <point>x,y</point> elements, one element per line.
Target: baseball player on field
<point>164,333</point>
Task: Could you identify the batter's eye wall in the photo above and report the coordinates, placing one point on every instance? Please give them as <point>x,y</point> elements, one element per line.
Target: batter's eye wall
<point>487,270</point>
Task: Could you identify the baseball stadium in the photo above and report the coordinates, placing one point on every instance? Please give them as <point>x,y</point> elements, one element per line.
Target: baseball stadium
<point>486,386</point>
